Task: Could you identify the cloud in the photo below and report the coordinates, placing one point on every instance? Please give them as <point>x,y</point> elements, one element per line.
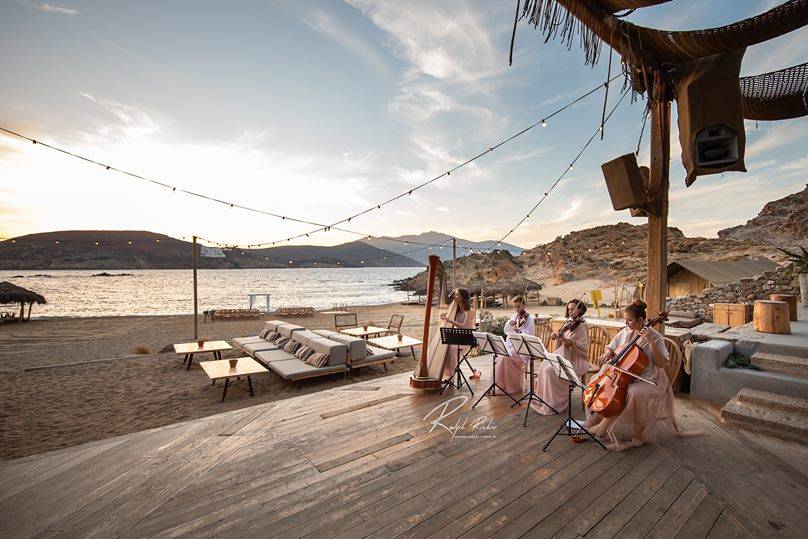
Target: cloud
<point>133,121</point>
<point>443,209</point>
<point>49,8</point>
<point>334,30</point>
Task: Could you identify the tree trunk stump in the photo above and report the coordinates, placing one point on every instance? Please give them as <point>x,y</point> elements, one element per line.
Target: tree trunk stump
<point>771,317</point>
<point>791,300</point>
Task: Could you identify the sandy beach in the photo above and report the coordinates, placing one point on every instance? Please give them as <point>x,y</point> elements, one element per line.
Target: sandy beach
<point>107,391</point>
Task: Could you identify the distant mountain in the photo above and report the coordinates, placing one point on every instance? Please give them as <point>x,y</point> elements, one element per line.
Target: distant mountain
<point>130,249</point>
<point>437,238</point>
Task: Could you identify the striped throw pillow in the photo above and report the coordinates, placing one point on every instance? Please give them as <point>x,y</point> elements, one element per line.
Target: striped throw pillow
<point>291,346</point>
<point>318,359</point>
<point>264,334</point>
<point>303,352</point>
<point>273,336</point>
<point>282,341</point>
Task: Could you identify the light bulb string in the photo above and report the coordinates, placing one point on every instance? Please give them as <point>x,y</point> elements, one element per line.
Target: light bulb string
<point>566,170</point>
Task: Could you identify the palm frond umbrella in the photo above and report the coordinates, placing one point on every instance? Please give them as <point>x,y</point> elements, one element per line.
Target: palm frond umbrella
<point>11,293</point>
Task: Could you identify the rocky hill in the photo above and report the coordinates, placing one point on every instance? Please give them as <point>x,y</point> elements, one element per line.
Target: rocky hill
<point>131,249</point>
<point>616,254</point>
<point>783,223</point>
<point>437,238</point>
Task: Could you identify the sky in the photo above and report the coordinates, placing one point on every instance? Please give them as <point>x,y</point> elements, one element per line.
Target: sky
<point>320,109</point>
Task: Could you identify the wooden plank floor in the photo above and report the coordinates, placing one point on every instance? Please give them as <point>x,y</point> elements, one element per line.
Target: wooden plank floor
<point>360,461</point>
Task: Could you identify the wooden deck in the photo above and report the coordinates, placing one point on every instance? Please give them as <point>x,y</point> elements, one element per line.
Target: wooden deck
<point>360,461</point>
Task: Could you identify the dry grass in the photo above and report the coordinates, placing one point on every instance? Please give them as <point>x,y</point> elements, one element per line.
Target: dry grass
<point>141,350</point>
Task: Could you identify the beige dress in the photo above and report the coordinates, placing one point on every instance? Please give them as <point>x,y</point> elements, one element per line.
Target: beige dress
<point>649,408</point>
<point>552,389</point>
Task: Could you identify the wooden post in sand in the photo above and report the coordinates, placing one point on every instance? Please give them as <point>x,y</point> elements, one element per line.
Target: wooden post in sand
<point>657,276</point>
<point>196,318</point>
<point>454,263</point>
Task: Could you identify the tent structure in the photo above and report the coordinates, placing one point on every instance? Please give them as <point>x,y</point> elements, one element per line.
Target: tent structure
<point>11,294</point>
<point>691,276</point>
<point>650,58</point>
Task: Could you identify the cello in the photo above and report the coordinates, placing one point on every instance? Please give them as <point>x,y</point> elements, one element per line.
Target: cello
<point>606,394</point>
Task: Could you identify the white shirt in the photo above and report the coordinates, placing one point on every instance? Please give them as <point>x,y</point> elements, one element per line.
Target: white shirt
<point>528,328</point>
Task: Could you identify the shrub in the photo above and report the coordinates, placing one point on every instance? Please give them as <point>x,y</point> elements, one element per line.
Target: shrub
<point>140,350</point>
<point>491,324</point>
<point>739,361</point>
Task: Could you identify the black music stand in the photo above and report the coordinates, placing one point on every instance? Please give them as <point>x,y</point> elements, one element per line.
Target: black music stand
<point>458,337</point>
<point>534,349</point>
<point>564,370</point>
<point>495,344</point>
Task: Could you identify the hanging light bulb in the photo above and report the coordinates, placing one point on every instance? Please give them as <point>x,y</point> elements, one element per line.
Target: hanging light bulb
<point>543,122</point>
<point>96,243</point>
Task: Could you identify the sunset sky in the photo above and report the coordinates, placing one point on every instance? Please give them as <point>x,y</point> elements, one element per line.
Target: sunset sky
<point>320,109</point>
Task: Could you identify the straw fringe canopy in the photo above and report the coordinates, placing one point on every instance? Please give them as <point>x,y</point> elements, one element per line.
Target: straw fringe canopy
<point>648,54</point>
<point>777,95</point>
<point>11,293</point>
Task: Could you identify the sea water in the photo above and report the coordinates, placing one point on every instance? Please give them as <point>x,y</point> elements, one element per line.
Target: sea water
<point>156,292</point>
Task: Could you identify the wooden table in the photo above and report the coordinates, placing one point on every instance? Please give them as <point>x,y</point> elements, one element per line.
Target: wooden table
<point>391,342</point>
<point>188,349</point>
<point>221,369</point>
<point>364,333</point>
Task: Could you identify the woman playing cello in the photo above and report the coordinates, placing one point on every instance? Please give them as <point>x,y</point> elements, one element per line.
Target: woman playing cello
<point>648,408</point>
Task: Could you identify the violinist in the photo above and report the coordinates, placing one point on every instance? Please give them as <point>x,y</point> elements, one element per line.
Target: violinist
<point>572,342</point>
<point>648,407</point>
<point>510,369</point>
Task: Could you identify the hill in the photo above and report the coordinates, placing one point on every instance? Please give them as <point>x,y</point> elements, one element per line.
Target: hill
<point>437,238</point>
<point>130,249</point>
<point>616,254</point>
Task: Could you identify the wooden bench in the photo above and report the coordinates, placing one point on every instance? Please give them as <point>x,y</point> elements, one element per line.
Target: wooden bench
<point>231,314</point>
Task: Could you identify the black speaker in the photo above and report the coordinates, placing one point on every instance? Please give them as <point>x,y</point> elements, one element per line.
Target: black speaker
<point>624,182</point>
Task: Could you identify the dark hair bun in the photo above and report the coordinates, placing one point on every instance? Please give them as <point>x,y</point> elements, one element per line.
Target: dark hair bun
<point>640,303</point>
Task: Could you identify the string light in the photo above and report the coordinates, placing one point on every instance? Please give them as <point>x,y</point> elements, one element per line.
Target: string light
<point>563,174</point>
<point>543,122</point>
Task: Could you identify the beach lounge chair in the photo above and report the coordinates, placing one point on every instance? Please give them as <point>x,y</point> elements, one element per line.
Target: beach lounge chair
<point>360,354</point>
<point>290,368</point>
<point>253,344</point>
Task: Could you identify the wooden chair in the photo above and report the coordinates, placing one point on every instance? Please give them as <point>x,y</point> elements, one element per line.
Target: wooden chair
<point>598,339</point>
<point>675,358</point>
<point>543,331</point>
<point>345,321</point>
<point>394,325</point>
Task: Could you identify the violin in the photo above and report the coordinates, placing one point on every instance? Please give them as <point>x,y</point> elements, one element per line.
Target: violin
<point>606,394</point>
<point>521,319</point>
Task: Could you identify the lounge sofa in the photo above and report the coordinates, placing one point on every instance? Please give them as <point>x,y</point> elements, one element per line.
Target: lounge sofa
<point>345,352</point>
<point>360,354</point>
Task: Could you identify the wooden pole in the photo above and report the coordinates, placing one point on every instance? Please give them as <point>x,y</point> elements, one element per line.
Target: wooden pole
<point>658,186</point>
<point>196,307</point>
<point>454,263</point>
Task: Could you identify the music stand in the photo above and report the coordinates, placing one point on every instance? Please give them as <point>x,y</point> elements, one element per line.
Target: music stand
<point>488,342</point>
<point>532,347</point>
<point>564,370</point>
<point>458,337</point>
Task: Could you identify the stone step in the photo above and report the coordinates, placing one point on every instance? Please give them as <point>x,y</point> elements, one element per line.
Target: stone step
<point>771,413</point>
<point>793,365</point>
<point>768,399</point>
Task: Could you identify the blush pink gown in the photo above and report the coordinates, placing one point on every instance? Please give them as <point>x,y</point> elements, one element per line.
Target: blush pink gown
<point>464,320</point>
<point>552,389</point>
<point>648,410</point>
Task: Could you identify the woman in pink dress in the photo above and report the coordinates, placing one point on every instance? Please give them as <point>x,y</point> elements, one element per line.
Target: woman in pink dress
<point>510,369</point>
<point>649,408</point>
<point>573,344</point>
<point>465,317</point>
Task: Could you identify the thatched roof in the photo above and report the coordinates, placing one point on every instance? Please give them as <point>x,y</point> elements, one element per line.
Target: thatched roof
<point>650,53</point>
<point>11,293</point>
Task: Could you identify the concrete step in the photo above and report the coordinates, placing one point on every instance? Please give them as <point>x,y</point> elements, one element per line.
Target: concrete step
<point>771,413</point>
<point>793,365</point>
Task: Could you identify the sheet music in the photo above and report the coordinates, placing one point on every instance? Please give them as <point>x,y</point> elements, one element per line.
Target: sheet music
<point>564,369</point>
<point>488,342</point>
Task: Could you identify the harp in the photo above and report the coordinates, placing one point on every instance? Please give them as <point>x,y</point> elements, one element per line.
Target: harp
<point>429,372</point>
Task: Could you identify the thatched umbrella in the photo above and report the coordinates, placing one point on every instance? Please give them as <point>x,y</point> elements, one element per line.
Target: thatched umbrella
<point>11,293</point>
